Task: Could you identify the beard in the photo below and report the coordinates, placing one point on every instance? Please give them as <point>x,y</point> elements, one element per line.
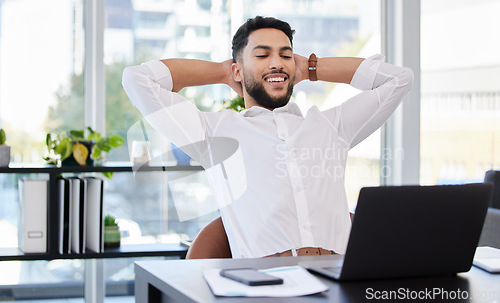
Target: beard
<point>258,93</point>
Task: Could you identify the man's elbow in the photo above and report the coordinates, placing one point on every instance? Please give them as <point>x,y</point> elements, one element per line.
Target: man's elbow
<point>128,76</point>
<point>131,83</point>
<point>406,77</point>
<point>404,80</point>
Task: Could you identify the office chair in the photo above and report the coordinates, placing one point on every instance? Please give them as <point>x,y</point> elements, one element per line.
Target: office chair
<point>211,242</point>
<point>493,177</point>
<point>490,235</point>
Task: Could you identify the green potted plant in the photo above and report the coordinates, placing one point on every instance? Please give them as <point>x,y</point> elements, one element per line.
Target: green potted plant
<point>236,104</point>
<point>4,150</point>
<point>74,148</point>
<point>112,235</point>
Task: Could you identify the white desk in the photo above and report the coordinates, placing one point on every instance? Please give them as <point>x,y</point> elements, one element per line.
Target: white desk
<point>182,281</point>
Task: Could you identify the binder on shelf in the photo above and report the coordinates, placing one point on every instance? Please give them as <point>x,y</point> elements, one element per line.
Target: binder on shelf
<point>78,189</point>
<point>83,215</point>
<point>64,215</point>
<point>94,207</point>
<point>32,216</point>
<point>69,214</point>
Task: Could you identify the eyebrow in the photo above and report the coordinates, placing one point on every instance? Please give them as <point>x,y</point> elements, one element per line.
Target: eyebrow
<point>284,48</point>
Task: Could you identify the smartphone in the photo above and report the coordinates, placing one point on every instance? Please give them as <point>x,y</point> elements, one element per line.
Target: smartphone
<point>250,276</point>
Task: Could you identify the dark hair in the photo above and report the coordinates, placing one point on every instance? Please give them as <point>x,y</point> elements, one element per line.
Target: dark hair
<point>240,39</point>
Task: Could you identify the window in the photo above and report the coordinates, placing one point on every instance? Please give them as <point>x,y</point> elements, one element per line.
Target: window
<point>41,85</point>
<point>460,113</point>
<point>41,72</point>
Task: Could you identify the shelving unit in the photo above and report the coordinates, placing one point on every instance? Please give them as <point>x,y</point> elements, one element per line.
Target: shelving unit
<point>142,250</point>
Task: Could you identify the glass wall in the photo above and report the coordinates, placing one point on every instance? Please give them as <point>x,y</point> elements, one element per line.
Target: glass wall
<point>460,113</point>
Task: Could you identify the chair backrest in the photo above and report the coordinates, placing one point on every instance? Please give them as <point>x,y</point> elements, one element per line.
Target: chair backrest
<point>491,228</point>
<point>493,176</point>
<point>211,242</point>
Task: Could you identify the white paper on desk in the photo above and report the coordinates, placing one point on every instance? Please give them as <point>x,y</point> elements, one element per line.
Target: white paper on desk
<point>297,281</point>
<point>487,258</point>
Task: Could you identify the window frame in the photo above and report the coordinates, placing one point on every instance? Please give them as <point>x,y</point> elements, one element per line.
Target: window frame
<point>400,155</point>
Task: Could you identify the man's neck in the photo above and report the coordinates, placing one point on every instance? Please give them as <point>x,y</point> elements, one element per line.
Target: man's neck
<point>250,102</point>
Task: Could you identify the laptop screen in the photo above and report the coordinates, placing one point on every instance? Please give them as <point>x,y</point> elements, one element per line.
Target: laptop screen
<point>415,230</point>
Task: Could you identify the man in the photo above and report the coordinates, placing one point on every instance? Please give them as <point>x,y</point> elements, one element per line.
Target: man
<point>282,193</point>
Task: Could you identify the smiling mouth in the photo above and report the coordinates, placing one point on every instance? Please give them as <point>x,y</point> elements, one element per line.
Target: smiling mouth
<point>276,78</point>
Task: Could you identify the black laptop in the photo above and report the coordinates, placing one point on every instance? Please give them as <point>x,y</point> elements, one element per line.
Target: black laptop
<point>411,231</point>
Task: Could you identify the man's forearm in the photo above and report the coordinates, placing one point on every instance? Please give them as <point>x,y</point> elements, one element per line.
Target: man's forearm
<point>337,69</point>
<point>190,72</point>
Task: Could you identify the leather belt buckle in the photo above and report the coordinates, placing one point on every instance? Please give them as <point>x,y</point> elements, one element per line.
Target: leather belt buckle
<point>303,251</point>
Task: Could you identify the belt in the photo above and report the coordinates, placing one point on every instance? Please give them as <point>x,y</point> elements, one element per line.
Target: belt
<point>304,251</point>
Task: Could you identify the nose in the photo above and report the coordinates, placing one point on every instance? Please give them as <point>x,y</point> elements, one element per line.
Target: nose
<point>276,62</point>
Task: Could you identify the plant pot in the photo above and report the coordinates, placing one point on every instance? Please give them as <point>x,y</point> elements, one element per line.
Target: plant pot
<point>70,161</point>
<point>4,155</point>
<point>112,237</point>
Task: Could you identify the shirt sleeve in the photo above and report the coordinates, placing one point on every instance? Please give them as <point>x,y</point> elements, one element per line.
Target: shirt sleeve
<point>383,88</point>
<point>149,87</point>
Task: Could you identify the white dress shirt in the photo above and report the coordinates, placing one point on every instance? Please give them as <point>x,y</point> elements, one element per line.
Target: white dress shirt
<point>278,175</point>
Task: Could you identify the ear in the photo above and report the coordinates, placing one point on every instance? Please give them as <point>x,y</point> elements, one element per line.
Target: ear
<point>236,71</point>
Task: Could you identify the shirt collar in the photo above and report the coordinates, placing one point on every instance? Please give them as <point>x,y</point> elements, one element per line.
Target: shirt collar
<point>256,110</point>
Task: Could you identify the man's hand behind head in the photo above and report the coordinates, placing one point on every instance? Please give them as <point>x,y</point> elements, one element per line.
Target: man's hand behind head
<point>301,68</point>
<point>236,86</point>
